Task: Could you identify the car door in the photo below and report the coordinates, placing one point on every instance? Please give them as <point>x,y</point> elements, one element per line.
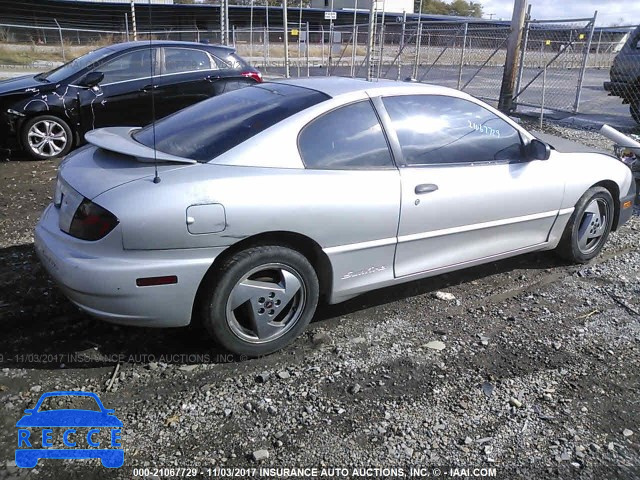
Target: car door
<point>187,76</point>
<point>467,191</point>
<point>123,97</point>
<point>354,184</point>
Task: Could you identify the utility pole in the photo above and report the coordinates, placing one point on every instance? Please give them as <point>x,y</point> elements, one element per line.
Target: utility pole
<point>133,20</point>
<point>505,103</point>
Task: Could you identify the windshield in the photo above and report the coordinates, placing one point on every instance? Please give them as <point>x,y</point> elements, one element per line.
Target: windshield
<point>65,402</point>
<point>212,127</point>
<point>60,73</point>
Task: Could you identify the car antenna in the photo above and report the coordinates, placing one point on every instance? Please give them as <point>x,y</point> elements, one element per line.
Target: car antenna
<point>156,178</point>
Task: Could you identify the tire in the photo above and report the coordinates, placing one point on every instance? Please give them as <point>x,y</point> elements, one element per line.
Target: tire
<point>634,108</point>
<point>260,300</point>
<point>46,137</point>
<point>589,226</point>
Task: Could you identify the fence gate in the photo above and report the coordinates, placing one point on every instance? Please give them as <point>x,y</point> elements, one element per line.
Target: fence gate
<point>553,60</point>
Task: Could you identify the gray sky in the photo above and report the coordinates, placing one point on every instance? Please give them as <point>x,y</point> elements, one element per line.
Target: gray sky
<point>626,12</point>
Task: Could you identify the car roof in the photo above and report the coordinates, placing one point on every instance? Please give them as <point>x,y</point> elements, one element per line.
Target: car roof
<point>117,47</point>
<point>337,86</point>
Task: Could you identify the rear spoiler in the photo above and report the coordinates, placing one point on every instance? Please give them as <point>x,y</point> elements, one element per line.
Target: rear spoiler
<point>120,140</point>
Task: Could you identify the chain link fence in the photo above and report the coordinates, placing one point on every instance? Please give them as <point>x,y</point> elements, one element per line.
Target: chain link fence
<point>564,66</point>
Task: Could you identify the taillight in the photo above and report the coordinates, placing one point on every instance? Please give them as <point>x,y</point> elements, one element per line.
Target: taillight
<point>91,221</point>
<point>257,76</point>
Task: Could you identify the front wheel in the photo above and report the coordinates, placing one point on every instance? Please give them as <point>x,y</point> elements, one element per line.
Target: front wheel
<point>46,137</point>
<point>260,299</point>
<point>589,226</point>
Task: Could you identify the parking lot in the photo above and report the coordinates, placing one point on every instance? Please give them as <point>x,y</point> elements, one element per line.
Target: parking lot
<point>530,368</point>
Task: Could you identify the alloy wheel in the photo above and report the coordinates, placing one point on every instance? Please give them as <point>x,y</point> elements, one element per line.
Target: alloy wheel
<point>47,138</point>
<point>593,225</point>
<point>266,303</point>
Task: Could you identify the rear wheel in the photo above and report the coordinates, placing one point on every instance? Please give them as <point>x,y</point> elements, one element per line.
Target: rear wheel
<point>46,137</point>
<point>589,226</point>
<point>260,299</point>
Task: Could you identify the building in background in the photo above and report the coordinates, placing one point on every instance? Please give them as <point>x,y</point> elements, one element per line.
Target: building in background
<point>391,6</point>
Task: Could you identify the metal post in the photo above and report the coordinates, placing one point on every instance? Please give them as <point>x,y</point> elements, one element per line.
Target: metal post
<point>64,59</point>
<point>322,42</point>
<point>133,20</point>
<point>404,29</point>
<point>597,62</point>
<point>307,51</point>
<point>126,24</point>
<point>286,39</point>
<point>233,35</point>
<point>251,33</point>
<point>299,36</point>
<point>462,50</point>
<point>370,39</point>
<point>354,40</point>
<point>585,59</point>
<point>505,103</point>
<point>224,39</point>
<point>523,51</point>
<point>381,58</point>
<point>330,40</point>
<point>268,40</point>
<point>544,86</point>
<point>416,62</point>
<point>264,47</point>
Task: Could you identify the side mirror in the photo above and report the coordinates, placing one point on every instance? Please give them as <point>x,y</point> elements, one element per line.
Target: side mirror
<point>537,150</point>
<point>30,410</point>
<point>92,79</point>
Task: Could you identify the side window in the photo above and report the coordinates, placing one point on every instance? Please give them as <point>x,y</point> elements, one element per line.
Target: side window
<point>130,66</point>
<point>177,60</point>
<point>434,129</point>
<point>345,138</point>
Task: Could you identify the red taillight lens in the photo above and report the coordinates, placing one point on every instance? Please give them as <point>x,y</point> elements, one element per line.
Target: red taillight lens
<point>91,221</point>
<point>257,76</point>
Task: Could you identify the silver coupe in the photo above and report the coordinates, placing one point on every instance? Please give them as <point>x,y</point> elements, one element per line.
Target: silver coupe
<point>244,210</point>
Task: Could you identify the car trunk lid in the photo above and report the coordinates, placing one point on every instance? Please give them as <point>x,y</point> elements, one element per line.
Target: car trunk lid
<point>113,159</point>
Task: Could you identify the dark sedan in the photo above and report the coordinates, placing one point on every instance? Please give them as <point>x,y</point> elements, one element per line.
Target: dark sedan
<point>131,83</point>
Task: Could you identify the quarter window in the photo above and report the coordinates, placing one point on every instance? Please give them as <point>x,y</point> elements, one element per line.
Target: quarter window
<point>177,60</point>
<point>346,138</point>
<point>130,66</point>
<point>434,129</point>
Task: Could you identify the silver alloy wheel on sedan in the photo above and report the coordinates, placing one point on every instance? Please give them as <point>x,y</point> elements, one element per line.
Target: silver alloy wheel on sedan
<point>47,138</point>
<point>593,225</point>
<point>266,303</point>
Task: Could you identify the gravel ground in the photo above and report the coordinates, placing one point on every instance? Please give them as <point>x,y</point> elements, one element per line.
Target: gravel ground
<point>529,366</point>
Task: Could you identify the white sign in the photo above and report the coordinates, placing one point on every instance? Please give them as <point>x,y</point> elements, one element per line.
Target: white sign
<point>330,15</point>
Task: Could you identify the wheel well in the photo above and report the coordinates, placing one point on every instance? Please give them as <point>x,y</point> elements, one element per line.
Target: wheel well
<point>614,190</point>
<point>301,243</point>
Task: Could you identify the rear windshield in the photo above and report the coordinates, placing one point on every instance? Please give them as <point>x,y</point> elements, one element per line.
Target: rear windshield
<point>209,128</point>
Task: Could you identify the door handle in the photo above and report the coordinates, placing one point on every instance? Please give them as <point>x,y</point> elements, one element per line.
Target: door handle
<point>212,78</point>
<point>425,188</point>
<point>147,88</point>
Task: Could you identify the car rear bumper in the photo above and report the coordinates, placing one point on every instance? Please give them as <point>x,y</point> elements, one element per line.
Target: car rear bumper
<point>102,281</point>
